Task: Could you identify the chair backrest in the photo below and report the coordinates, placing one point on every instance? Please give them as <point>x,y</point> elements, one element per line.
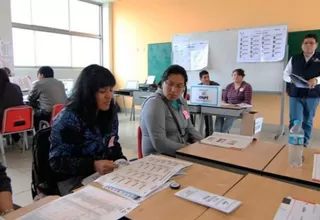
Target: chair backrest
<point>55,111</point>
<point>17,119</point>
<point>139,143</point>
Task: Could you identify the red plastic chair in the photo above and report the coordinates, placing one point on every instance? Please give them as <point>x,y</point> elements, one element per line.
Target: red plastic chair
<point>139,143</point>
<point>17,119</point>
<point>55,111</point>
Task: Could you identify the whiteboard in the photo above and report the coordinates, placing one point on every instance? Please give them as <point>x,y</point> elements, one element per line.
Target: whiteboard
<point>223,46</point>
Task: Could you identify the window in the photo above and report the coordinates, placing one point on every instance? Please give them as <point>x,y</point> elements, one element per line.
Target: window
<point>85,51</point>
<point>23,47</point>
<point>84,17</point>
<point>64,33</point>
<point>52,49</point>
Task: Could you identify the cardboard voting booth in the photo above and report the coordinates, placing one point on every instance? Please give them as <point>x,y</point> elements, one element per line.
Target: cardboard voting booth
<point>205,95</point>
<point>251,124</point>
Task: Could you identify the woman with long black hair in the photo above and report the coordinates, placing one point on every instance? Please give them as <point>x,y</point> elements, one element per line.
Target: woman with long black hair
<point>10,95</point>
<point>84,136</point>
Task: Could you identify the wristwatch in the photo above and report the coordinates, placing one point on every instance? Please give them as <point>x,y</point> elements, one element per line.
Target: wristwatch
<point>6,212</point>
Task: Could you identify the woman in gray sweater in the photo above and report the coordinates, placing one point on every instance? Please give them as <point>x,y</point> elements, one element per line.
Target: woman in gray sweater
<point>165,118</point>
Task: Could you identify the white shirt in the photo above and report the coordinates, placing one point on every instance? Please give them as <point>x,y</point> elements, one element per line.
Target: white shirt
<point>288,70</point>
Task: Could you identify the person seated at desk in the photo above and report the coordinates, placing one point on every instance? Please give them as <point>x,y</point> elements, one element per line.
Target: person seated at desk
<point>235,93</point>
<point>6,204</point>
<point>46,93</point>
<point>10,96</point>
<point>205,80</point>
<point>84,136</point>
<point>165,118</point>
<point>8,71</point>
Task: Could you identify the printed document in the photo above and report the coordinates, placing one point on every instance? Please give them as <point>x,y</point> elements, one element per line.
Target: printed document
<point>143,176</point>
<point>298,81</point>
<point>228,140</point>
<point>316,168</point>
<point>293,209</point>
<point>201,197</point>
<point>89,203</point>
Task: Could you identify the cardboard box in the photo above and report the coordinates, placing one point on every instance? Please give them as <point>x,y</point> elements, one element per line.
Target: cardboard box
<point>251,124</point>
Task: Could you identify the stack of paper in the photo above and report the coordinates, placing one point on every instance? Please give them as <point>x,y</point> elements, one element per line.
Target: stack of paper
<point>228,140</point>
<point>89,203</point>
<point>316,168</point>
<point>298,81</point>
<point>201,197</point>
<point>295,209</point>
<point>143,177</point>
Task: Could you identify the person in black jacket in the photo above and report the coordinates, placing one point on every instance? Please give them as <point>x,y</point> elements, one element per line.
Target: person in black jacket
<point>10,96</point>
<point>84,136</point>
<point>6,204</point>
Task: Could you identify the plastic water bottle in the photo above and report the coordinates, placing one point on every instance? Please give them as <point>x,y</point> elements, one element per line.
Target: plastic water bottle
<point>295,144</point>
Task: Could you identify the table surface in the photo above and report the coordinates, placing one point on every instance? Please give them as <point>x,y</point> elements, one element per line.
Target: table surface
<point>261,197</point>
<point>280,166</point>
<point>24,210</point>
<point>256,156</point>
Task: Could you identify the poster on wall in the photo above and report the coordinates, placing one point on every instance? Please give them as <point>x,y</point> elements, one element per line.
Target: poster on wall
<point>265,44</point>
<point>192,55</point>
<point>6,55</point>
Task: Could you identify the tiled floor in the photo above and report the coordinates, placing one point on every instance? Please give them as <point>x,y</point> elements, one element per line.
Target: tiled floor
<point>19,165</point>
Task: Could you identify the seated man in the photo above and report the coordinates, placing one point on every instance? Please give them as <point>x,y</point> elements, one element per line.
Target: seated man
<point>6,204</point>
<point>205,80</point>
<point>46,93</point>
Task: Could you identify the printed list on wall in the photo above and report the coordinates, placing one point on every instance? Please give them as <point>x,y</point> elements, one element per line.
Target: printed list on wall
<point>266,44</point>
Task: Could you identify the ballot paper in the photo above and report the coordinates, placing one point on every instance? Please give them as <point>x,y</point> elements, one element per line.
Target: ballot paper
<point>121,163</point>
<point>134,197</point>
<point>294,209</point>
<point>89,203</point>
<point>228,140</point>
<point>143,176</point>
<point>316,168</point>
<point>298,81</point>
<point>201,197</point>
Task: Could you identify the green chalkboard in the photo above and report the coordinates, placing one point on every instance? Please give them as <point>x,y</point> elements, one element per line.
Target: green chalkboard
<point>295,40</point>
<point>159,59</point>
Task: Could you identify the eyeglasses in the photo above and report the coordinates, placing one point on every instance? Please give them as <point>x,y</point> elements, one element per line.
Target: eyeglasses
<point>173,85</point>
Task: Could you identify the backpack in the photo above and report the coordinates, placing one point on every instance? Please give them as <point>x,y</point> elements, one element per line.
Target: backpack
<point>42,176</point>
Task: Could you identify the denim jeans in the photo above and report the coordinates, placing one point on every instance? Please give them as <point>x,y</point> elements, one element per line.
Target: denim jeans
<point>223,124</point>
<point>304,110</point>
<point>209,125</point>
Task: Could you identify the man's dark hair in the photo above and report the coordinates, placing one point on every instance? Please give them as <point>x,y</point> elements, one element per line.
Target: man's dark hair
<point>314,36</point>
<point>7,70</point>
<point>202,73</point>
<point>46,71</point>
<point>240,72</point>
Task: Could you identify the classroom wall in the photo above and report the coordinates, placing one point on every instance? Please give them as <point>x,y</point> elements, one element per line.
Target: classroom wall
<point>136,23</point>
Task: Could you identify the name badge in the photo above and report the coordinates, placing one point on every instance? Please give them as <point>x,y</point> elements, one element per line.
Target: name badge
<point>241,89</point>
<point>186,114</point>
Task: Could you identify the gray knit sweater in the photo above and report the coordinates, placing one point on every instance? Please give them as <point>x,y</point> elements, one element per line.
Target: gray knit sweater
<point>159,130</point>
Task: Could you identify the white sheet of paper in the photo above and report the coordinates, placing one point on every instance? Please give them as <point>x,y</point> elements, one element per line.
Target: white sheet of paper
<point>265,44</point>
<point>143,176</point>
<point>258,125</point>
<point>211,200</point>
<point>89,203</point>
<point>316,167</point>
<point>293,209</point>
<point>199,55</point>
<point>24,82</point>
<point>150,80</point>
<point>228,140</point>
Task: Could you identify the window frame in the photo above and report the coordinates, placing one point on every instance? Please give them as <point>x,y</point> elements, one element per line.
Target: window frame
<point>69,33</point>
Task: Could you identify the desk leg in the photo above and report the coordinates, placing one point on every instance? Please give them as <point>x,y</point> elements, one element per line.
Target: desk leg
<point>133,112</point>
<point>124,105</point>
<point>201,124</point>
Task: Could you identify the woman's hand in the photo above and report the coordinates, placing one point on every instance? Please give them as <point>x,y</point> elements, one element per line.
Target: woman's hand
<point>104,166</point>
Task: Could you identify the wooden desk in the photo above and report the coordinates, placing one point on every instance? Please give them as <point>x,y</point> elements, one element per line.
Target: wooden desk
<point>165,205</point>
<point>279,168</point>
<point>22,211</point>
<point>252,159</point>
<point>261,198</point>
